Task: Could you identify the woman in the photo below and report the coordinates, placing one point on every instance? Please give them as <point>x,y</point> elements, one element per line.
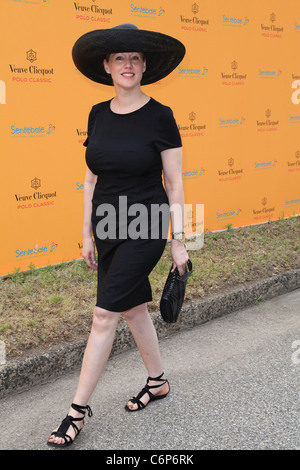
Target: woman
<point>131,139</point>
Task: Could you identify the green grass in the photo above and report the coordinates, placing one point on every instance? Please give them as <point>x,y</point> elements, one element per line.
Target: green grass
<point>52,305</point>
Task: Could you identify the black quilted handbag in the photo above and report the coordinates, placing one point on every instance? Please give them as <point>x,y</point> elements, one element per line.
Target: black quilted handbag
<point>173,293</point>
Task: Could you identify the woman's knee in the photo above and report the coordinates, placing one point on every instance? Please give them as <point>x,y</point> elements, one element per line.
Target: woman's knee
<point>134,311</point>
<point>104,319</point>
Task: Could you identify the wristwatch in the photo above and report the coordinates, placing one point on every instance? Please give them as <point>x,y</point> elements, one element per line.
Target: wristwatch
<point>180,236</point>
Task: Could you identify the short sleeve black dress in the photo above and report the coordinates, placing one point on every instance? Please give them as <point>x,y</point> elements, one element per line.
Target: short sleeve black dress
<point>123,150</point>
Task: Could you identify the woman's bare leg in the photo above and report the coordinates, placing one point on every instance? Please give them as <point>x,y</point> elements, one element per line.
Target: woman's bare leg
<point>144,333</point>
<point>95,357</point>
<point>97,353</point>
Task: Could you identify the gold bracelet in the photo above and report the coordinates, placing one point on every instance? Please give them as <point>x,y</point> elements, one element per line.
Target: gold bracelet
<point>179,236</point>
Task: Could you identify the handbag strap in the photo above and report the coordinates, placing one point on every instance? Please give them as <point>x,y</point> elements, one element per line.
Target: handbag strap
<point>188,273</point>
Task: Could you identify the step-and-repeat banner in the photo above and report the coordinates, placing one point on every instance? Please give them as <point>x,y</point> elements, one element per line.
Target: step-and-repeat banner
<point>235,96</point>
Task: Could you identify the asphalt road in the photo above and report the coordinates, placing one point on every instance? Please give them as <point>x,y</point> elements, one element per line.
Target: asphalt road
<point>235,384</point>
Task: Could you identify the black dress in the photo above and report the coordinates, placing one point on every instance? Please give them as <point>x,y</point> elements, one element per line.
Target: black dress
<point>124,151</point>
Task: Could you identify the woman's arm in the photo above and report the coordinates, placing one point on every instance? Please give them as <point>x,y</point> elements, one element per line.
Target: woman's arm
<point>172,168</point>
<point>88,250</point>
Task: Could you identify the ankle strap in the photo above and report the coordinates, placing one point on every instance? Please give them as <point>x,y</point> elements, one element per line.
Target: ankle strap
<point>82,409</point>
<point>156,379</point>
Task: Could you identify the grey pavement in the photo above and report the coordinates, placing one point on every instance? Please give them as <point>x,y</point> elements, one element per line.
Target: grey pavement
<point>235,384</point>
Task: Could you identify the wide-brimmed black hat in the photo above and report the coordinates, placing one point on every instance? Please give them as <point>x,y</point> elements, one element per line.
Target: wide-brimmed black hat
<point>162,52</point>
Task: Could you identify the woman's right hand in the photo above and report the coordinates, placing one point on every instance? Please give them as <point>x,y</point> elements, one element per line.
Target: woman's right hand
<point>88,253</point>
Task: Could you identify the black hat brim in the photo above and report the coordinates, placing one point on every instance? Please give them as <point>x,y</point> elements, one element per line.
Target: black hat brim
<point>163,53</point>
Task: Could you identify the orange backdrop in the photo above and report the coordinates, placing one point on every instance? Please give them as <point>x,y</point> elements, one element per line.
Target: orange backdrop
<point>235,97</point>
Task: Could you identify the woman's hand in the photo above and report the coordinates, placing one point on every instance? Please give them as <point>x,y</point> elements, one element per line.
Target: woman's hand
<point>179,256</point>
<point>88,253</point>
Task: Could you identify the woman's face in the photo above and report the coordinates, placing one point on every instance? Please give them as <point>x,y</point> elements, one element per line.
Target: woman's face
<point>126,68</point>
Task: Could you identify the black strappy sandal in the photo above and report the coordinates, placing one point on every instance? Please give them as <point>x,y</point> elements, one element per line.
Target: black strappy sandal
<point>146,389</point>
<point>66,423</point>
